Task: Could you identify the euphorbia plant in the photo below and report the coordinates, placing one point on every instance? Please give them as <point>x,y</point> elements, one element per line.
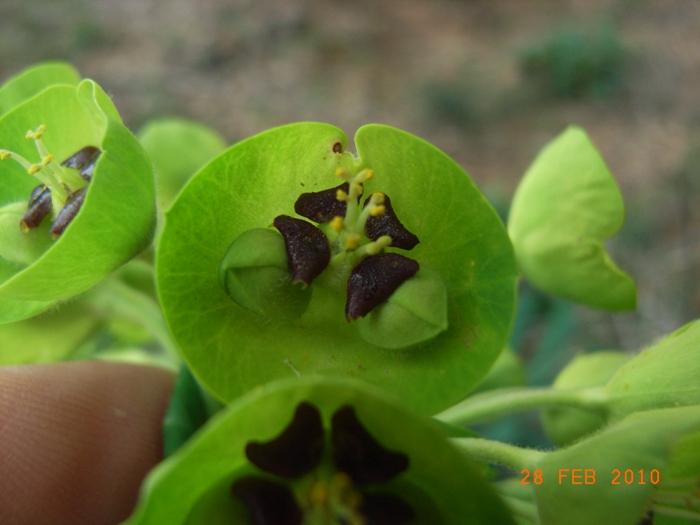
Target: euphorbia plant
<point>336,308</point>
<point>445,330</point>
<point>78,197</point>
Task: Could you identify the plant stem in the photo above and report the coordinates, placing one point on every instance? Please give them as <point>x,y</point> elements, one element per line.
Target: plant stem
<point>515,458</point>
<point>501,402</point>
<point>116,298</point>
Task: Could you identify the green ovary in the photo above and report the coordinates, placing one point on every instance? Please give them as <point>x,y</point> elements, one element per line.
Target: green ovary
<point>255,274</point>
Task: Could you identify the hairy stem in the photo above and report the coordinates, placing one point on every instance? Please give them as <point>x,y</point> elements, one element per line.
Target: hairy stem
<point>501,402</point>
<point>515,458</point>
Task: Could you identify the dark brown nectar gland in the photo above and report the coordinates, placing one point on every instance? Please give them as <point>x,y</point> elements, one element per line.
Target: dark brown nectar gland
<point>62,191</point>
<point>322,206</point>
<point>39,207</point>
<point>356,237</point>
<point>374,280</point>
<point>387,223</point>
<point>307,248</point>
<point>296,454</point>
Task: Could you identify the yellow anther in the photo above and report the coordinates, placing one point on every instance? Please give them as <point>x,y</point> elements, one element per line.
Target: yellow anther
<point>37,134</point>
<point>342,481</point>
<point>337,223</point>
<point>318,495</point>
<point>377,198</point>
<point>343,174</point>
<point>377,246</point>
<point>46,160</point>
<point>364,175</point>
<point>353,242</point>
<point>376,211</point>
<point>356,190</point>
<point>34,168</point>
<point>341,195</point>
<point>4,154</point>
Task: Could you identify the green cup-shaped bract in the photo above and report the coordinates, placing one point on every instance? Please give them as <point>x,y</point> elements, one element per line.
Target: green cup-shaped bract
<point>259,179</point>
<point>16,247</point>
<point>665,375</point>
<point>255,274</point>
<point>116,220</point>
<point>51,336</point>
<point>636,445</point>
<point>565,425</point>
<point>565,206</point>
<point>416,312</point>
<point>33,80</point>
<point>193,485</point>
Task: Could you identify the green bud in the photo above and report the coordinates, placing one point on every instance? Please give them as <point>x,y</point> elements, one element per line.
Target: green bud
<point>255,274</point>
<point>566,425</point>
<point>415,313</point>
<point>17,247</point>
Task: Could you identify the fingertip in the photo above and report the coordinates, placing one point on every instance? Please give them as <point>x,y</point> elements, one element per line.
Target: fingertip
<point>77,439</point>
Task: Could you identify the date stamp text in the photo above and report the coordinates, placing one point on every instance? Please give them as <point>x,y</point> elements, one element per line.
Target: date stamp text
<point>589,476</point>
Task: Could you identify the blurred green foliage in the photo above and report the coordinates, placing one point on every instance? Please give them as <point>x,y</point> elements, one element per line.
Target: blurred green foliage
<point>574,63</point>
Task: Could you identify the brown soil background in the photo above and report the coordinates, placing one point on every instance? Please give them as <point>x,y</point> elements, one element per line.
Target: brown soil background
<point>244,66</point>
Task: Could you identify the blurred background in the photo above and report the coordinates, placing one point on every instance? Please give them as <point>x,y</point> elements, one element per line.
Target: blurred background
<point>488,82</point>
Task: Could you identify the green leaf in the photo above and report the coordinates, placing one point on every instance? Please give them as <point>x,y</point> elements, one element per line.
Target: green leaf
<point>642,441</point>
<point>664,375</point>
<point>51,336</point>
<point>32,80</point>
<point>232,351</point>
<point>187,412</point>
<point>193,486</point>
<point>117,218</point>
<point>178,148</point>
<point>563,209</point>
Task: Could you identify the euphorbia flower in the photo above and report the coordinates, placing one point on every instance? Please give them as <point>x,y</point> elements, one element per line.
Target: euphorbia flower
<point>358,458</point>
<point>442,325</point>
<point>352,250</point>
<point>315,450</point>
<point>96,194</point>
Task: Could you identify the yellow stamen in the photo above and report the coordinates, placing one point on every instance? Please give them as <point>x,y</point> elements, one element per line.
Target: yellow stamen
<point>378,198</point>
<point>4,154</point>
<point>376,211</point>
<point>318,495</point>
<point>364,176</point>
<point>377,246</point>
<point>353,242</point>
<point>341,195</point>
<point>342,481</point>
<point>356,190</point>
<point>46,160</point>
<point>343,174</point>
<point>337,223</point>
<point>36,135</point>
<point>34,168</point>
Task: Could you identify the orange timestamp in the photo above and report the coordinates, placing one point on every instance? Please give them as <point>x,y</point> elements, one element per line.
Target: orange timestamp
<point>589,476</point>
